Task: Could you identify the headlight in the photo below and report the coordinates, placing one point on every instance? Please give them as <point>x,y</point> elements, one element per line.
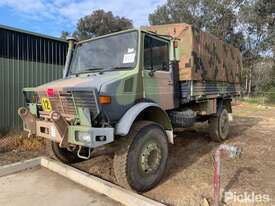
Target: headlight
<point>84,137</point>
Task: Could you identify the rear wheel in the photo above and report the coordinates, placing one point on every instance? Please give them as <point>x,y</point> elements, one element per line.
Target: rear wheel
<point>219,126</point>
<point>140,162</point>
<point>62,154</point>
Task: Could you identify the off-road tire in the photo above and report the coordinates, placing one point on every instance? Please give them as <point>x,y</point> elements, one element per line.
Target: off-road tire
<point>127,158</point>
<point>182,119</point>
<point>218,127</point>
<point>61,154</point>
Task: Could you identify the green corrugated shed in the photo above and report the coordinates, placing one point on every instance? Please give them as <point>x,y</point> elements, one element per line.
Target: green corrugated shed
<point>27,59</point>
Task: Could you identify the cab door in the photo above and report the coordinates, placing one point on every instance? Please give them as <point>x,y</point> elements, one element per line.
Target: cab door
<point>157,73</point>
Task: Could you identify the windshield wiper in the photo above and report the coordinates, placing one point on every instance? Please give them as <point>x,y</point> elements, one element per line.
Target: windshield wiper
<point>89,70</point>
<point>112,69</point>
<point>101,70</point>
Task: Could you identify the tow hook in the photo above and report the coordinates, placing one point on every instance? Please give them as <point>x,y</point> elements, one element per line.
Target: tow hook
<point>82,156</point>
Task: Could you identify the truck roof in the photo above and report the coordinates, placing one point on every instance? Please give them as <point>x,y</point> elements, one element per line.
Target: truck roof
<point>126,31</point>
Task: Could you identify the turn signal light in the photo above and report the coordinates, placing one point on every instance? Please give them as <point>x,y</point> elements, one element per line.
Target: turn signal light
<point>104,99</point>
<point>50,92</point>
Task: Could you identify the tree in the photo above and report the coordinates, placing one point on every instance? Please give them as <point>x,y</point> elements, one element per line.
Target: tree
<point>175,11</point>
<point>262,72</point>
<point>246,24</point>
<point>161,16</point>
<point>64,34</point>
<point>258,19</point>
<point>266,15</point>
<point>100,23</point>
<point>215,16</point>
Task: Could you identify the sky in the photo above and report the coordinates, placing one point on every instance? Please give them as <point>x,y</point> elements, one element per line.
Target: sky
<point>50,17</point>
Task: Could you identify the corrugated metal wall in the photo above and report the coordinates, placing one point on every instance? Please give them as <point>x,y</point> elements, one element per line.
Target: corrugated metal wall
<point>26,60</point>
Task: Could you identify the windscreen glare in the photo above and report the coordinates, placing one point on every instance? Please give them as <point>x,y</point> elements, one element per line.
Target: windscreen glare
<point>118,52</point>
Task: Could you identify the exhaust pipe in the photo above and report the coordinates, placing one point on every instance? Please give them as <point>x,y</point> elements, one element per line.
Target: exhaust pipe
<point>71,42</point>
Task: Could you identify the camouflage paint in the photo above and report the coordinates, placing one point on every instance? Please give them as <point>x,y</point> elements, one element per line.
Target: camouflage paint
<point>122,100</point>
<point>128,87</point>
<point>141,85</point>
<point>203,56</point>
<point>158,85</point>
<point>193,89</point>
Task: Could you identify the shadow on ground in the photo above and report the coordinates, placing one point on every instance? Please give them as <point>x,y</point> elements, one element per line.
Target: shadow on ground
<point>194,143</point>
<point>236,178</point>
<point>241,124</point>
<point>188,169</point>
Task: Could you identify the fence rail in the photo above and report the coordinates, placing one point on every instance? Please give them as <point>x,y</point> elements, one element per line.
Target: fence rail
<point>263,98</point>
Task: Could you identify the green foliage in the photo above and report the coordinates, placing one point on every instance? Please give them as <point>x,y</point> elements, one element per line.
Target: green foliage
<point>64,34</point>
<point>271,95</point>
<point>262,73</point>
<point>257,18</point>
<point>100,23</point>
<point>175,11</point>
<point>246,24</point>
<point>161,16</point>
<point>217,17</point>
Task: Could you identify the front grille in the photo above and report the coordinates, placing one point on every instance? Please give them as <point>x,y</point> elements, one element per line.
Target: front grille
<point>66,103</point>
<point>86,99</point>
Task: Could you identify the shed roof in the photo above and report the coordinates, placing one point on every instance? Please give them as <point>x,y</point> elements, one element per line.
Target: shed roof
<point>31,33</point>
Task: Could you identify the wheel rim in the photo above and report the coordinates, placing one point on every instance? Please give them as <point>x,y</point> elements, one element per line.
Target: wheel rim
<point>224,123</point>
<point>150,158</point>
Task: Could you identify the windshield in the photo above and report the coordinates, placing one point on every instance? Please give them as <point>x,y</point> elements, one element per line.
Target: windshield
<point>113,52</point>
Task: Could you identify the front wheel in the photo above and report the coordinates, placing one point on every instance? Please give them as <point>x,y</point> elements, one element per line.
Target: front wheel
<point>140,162</point>
<point>219,126</point>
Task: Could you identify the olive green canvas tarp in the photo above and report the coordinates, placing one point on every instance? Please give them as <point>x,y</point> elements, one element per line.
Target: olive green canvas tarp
<point>202,56</point>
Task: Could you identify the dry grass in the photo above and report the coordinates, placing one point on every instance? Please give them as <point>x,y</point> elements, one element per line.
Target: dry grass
<point>20,141</point>
<point>29,144</point>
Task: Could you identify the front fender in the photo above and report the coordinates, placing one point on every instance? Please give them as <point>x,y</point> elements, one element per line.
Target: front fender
<point>153,113</point>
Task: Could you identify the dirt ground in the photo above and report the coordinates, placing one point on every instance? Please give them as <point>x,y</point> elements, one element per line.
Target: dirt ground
<point>190,169</point>
<point>250,179</point>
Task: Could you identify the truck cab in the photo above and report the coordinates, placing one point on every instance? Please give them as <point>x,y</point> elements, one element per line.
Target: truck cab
<point>122,87</point>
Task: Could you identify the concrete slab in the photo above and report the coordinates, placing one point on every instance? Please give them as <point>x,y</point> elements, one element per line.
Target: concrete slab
<point>22,184</point>
<point>40,186</point>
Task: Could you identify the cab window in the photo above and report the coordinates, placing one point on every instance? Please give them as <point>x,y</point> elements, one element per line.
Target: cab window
<point>156,54</point>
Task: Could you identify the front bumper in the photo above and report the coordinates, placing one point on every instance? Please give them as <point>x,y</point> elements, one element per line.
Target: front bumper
<point>77,135</point>
<point>91,137</point>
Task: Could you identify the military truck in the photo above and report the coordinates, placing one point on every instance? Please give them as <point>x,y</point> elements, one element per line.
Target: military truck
<point>131,89</point>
